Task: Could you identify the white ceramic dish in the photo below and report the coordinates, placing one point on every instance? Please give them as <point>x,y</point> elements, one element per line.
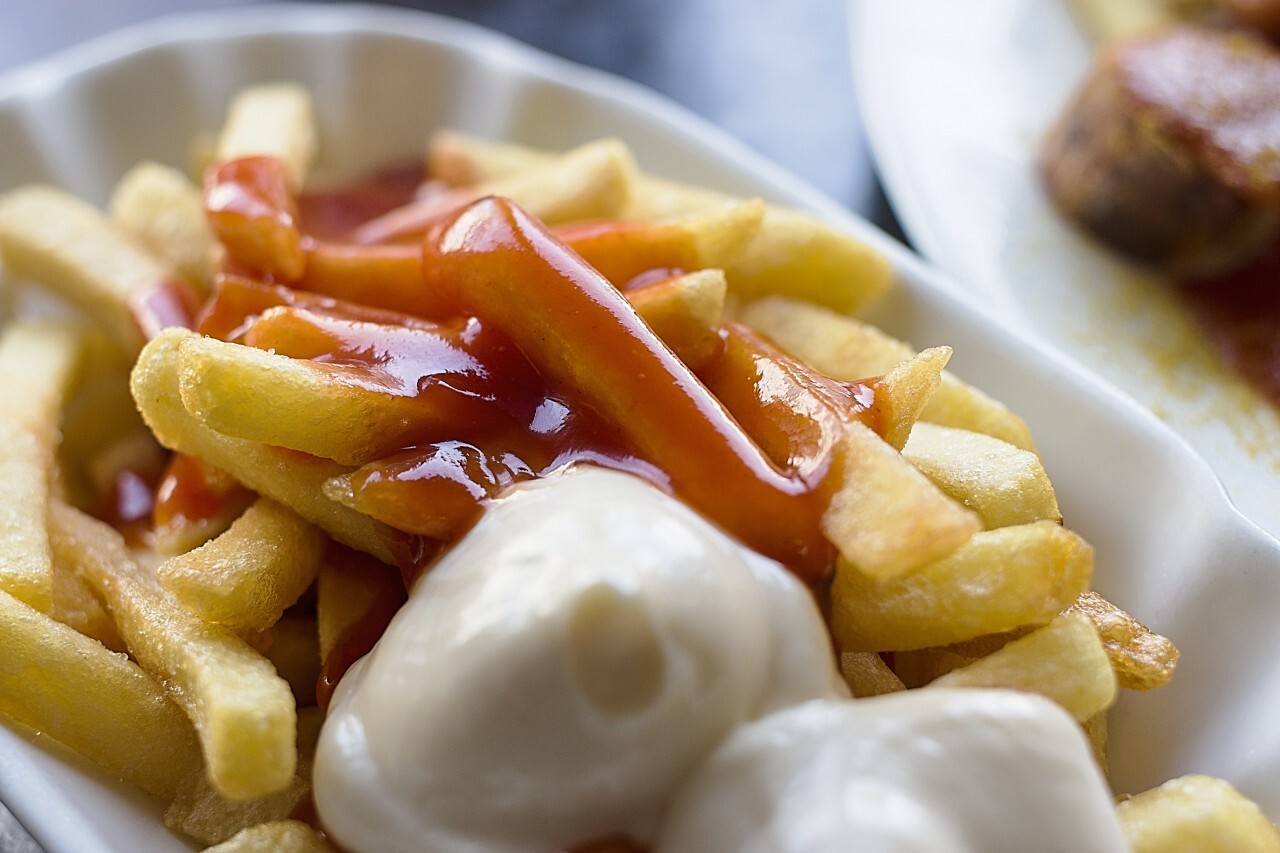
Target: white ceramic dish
<point>955,97</point>
<point>1170,547</point>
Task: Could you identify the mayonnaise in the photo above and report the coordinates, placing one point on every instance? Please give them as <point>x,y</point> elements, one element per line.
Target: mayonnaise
<point>934,771</point>
<point>559,674</point>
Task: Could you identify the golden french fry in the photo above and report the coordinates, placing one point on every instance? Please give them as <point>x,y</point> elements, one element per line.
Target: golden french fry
<point>593,181</point>
<point>849,349</point>
<point>75,604</point>
<point>97,702</point>
<point>163,210</point>
<point>460,159</point>
<point>291,479</point>
<point>1196,813</point>
<point>903,393</point>
<point>997,581</point>
<point>244,714</point>
<point>245,578</point>
<point>797,255</point>
<point>254,394</point>
<point>1064,661</point>
<point>36,366</point>
<point>1108,19</point>
<point>793,254</point>
<point>271,120</point>
<point>867,674</point>
<point>68,246</point>
<point>685,311</point>
<point>1004,484</point>
<point>1141,658</point>
<point>286,836</point>
<point>200,812</point>
<point>886,518</point>
<point>722,233</point>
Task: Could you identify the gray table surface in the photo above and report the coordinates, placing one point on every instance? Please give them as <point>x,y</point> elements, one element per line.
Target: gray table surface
<point>775,75</point>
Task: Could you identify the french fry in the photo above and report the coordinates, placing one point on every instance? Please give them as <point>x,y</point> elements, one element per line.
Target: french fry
<point>291,479</point>
<point>850,349</point>
<point>886,518</point>
<point>1142,659</point>
<point>243,713</point>
<point>592,181</point>
<point>160,208</point>
<point>867,674</point>
<point>271,120</point>
<point>245,578</point>
<point>68,246</point>
<point>684,311</point>
<point>1064,661</point>
<point>36,366</point>
<point>621,251</point>
<point>462,159</point>
<point>287,836</point>
<point>92,700</point>
<point>1196,813</point>
<point>904,392</point>
<point>794,253</point>
<point>997,581</point>
<point>254,394</point>
<point>799,256</point>
<point>75,603</point>
<point>1004,484</point>
<point>199,811</point>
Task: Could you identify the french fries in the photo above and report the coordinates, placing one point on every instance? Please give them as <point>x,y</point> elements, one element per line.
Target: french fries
<point>274,120</point>
<point>887,519</point>
<point>1064,661</point>
<point>1196,813</point>
<point>996,581</point>
<point>160,208</point>
<point>67,245</point>
<point>242,711</point>
<point>952,566</point>
<point>97,702</point>
<point>36,364</point>
<point>1142,659</point>
<point>1002,483</point>
<point>245,578</point>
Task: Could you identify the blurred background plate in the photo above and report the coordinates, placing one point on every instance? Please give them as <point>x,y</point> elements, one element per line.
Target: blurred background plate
<point>955,98</point>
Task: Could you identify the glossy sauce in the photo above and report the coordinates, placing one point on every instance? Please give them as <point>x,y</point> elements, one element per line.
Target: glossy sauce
<point>1240,315</point>
<point>189,494</point>
<point>522,359</point>
<point>551,366</point>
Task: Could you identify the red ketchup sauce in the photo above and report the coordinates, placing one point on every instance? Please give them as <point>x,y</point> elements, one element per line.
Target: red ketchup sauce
<point>1240,315</point>
<point>520,358</point>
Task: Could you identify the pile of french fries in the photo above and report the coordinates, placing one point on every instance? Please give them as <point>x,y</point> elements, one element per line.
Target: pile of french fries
<point>183,659</point>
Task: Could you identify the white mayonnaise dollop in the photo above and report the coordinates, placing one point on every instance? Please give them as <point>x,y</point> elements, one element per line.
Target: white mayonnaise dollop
<point>929,771</point>
<point>559,674</point>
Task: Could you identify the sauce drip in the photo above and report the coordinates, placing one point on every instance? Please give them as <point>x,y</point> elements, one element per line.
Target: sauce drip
<point>1240,315</point>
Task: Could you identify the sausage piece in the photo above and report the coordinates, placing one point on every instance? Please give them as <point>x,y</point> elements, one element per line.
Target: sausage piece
<point>1170,151</point>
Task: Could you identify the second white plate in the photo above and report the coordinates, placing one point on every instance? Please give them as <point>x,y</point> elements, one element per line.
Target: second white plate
<point>955,98</point>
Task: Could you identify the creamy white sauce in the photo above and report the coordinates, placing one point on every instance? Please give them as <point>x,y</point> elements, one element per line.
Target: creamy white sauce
<point>560,673</point>
<point>934,771</point>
